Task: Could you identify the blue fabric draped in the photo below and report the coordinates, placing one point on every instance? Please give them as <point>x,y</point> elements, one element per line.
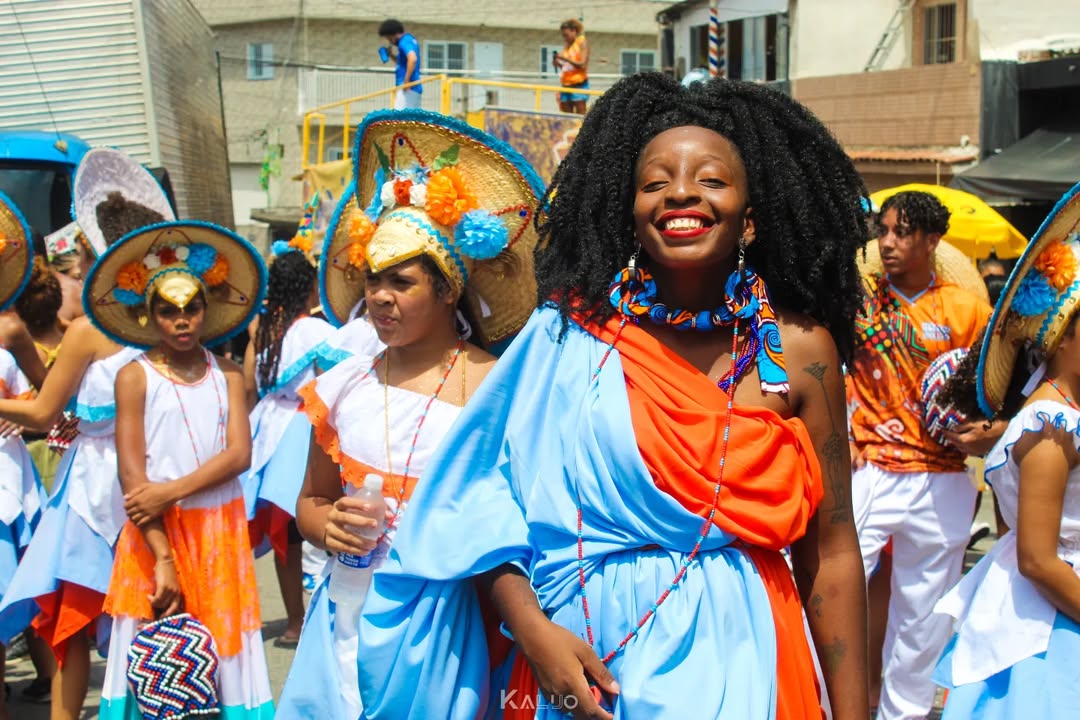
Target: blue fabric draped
<point>501,490</point>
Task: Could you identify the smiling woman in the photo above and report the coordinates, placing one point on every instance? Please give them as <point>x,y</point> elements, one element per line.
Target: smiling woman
<point>670,419</point>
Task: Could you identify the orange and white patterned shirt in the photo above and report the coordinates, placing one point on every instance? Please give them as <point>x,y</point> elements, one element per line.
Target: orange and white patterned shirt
<point>897,338</point>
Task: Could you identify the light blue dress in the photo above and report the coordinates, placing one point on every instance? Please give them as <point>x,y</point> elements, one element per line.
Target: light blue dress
<point>1014,655</point>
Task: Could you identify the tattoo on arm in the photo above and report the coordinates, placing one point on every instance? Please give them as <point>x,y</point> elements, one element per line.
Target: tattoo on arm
<point>836,469</point>
<point>816,603</point>
<point>832,654</point>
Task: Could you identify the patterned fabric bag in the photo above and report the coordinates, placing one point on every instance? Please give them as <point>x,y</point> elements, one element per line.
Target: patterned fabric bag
<point>173,669</point>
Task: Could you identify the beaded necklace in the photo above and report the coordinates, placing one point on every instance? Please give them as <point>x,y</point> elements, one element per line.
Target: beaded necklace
<point>729,390</point>
<point>384,357</point>
<point>1062,393</point>
<point>187,423</point>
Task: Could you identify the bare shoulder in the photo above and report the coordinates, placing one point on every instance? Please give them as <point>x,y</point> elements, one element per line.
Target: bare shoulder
<point>229,367</point>
<point>479,362</point>
<point>132,378</point>
<point>82,334</point>
<point>806,341</point>
<point>11,328</point>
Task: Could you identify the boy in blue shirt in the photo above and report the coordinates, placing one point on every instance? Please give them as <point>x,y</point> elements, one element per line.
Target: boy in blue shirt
<point>405,49</point>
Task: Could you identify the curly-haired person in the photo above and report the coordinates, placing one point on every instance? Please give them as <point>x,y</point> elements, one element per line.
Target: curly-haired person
<point>907,487</point>
<point>670,419</point>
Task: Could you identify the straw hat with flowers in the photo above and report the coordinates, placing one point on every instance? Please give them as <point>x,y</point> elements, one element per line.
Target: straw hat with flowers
<point>176,261</point>
<point>16,252</point>
<point>427,184</point>
<point>1035,307</point>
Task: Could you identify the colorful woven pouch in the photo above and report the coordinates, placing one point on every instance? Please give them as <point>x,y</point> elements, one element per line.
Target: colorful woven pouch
<point>173,669</point>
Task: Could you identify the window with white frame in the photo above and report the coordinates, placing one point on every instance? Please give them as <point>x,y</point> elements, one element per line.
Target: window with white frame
<point>939,34</point>
<point>635,61</point>
<point>260,61</point>
<point>547,56</point>
<point>445,56</point>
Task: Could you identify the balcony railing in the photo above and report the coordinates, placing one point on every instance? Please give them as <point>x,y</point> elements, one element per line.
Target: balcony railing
<point>338,100</point>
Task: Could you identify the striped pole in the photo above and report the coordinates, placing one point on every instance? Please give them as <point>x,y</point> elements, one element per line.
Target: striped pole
<point>717,55</point>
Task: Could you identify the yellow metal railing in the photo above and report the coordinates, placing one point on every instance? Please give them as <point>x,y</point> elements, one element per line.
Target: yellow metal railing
<point>446,100</point>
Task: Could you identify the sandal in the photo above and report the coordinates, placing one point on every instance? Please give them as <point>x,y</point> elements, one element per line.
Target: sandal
<point>287,643</point>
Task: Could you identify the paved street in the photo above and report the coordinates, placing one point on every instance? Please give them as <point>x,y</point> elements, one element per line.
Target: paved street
<point>21,672</point>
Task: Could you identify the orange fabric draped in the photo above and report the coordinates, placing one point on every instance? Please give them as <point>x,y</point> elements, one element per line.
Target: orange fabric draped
<point>772,479</point>
<point>771,487</point>
<point>64,614</point>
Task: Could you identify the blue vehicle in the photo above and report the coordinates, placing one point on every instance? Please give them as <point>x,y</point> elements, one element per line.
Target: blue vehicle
<point>37,170</point>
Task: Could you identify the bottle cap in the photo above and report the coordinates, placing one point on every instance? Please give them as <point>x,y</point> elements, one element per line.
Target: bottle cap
<point>373,482</point>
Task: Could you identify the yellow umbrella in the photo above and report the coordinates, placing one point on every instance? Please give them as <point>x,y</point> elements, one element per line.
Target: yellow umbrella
<point>974,227</point>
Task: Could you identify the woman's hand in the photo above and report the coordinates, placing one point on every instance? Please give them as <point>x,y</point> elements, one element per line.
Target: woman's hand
<point>8,429</point>
<point>346,517</point>
<point>563,664</point>
<point>148,501</point>
<point>167,598</point>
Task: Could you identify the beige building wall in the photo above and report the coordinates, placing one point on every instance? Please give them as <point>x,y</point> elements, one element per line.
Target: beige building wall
<point>259,113</point>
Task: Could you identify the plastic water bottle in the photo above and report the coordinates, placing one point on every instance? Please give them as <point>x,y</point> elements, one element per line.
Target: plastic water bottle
<point>351,575</point>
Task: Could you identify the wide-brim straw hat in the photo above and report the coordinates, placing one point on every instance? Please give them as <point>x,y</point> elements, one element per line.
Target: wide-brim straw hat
<point>105,170</point>
<point>231,304</point>
<point>16,252</point>
<point>1036,304</point>
<point>950,266</point>
<point>500,291</point>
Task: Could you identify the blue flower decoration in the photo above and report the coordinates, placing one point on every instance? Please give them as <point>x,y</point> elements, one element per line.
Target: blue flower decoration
<point>201,258</point>
<point>280,247</point>
<point>374,210</point>
<point>1034,296</point>
<point>128,297</point>
<point>481,235</point>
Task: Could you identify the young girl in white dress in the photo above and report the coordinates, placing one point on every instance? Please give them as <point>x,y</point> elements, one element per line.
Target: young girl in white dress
<point>61,583</point>
<point>182,441</point>
<point>1016,649</point>
<point>383,412</point>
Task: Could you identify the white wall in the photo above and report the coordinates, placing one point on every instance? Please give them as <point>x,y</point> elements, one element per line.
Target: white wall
<point>837,37</point>
<point>728,10</point>
<point>1003,26</point>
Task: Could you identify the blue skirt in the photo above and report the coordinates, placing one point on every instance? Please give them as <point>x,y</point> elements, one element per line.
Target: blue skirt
<point>63,548</point>
<point>275,487</point>
<point>313,686</point>
<point>1044,686</point>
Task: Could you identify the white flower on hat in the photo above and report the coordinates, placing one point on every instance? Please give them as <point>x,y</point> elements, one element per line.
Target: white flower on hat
<point>418,195</point>
<point>182,253</point>
<point>387,195</point>
<point>152,261</point>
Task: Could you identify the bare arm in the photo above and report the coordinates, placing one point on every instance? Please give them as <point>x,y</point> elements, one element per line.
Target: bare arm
<point>1045,461</point>
<point>82,345</point>
<point>827,560</point>
<point>251,386</point>
<point>16,340</point>
<point>131,465</point>
<point>149,501</point>
<point>562,662</point>
<point>323,511</point>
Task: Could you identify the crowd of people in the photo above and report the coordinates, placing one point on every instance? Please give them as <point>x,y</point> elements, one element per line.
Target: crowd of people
<point>574,450</point>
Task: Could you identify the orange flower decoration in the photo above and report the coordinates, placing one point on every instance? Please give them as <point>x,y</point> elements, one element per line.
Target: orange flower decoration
<point>401,192</point>
<point>133,277</point>
<point>302,242</point>
<point>3,243</point>
<point>1057,263</point>
<point>218,272</point>
<point>361,230</point>
<point>448,198</point>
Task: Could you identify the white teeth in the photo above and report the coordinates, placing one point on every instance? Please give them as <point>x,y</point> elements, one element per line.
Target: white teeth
<point>684,223</point>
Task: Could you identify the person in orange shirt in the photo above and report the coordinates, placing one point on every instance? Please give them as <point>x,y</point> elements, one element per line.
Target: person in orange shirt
<point>908,487</point>
<point>573,66</point>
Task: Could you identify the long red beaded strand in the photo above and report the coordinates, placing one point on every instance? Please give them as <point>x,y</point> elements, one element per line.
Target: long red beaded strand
<point>706,525</point>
